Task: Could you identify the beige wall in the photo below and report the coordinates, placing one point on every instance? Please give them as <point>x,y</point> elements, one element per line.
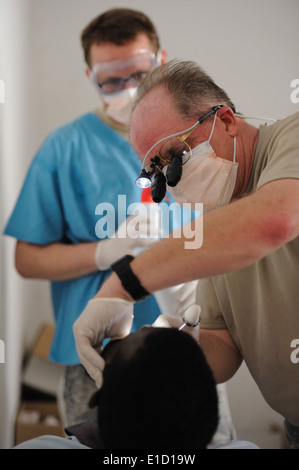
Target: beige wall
<point>249,47</point>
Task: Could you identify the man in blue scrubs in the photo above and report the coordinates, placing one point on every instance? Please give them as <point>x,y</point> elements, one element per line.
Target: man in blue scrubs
<point>79,167</point>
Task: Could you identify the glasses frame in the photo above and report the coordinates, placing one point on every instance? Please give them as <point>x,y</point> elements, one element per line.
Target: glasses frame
<point>156,159</point>
<point>119,64</point>
<point>122,83</point>
<point>181,139</point>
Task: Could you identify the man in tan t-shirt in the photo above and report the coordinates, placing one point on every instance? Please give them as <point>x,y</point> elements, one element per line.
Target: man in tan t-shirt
<point>248,182</point>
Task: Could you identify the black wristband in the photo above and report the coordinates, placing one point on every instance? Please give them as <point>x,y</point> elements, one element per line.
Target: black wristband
<point>128,279</point>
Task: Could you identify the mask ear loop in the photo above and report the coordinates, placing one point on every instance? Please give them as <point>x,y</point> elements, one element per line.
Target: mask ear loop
<point>235,149</point>
<point>260,118</point>
<point>213,127</point>
<point>158,58</point>
<point>235,138</point>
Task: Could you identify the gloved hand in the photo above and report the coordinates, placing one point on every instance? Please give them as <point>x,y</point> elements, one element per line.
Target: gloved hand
<point>129,239</point>
<point>169,321</point>
<point>102,318</point>
<point>175,300</point>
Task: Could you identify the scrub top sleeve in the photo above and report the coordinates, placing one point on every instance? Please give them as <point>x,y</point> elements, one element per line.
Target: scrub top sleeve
<point>38,214</point>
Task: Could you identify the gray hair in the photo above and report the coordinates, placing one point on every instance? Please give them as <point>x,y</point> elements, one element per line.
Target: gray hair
<point>193,90</point>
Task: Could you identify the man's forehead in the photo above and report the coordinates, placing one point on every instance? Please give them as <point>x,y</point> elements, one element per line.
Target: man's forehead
<point>154,118</point>
<point>156,100</point>
<point>107,51</point>
<point>155,113</point>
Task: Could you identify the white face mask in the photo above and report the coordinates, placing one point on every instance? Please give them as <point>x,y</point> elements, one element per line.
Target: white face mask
<point>206,178</point>
<point>119,105</point>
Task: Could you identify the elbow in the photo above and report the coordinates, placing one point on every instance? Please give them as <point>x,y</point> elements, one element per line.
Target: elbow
<point>21,268</point>
<point>21,261</point>
<point>223,375</point>
<point>278,230</point>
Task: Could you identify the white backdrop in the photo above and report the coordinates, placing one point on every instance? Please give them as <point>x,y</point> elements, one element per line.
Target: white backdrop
<point>249,47</point>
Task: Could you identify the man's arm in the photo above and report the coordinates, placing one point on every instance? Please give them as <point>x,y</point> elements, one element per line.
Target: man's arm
<point>234,237</point>
<point>221,353</point>
<point>56,262</point>
<point>218,346</point>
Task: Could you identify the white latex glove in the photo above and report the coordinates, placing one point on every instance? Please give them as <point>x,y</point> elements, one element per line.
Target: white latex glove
<point>169,321</point>
<point>175,300</point>
<point>136,233</point>
<point>102,318</point>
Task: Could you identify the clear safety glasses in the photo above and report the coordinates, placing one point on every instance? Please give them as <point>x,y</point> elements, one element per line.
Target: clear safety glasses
<point>112,77</point>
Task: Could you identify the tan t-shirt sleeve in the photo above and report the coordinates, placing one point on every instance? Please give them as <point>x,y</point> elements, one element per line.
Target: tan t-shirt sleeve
<point>279,156</point>
<point>211,316</point>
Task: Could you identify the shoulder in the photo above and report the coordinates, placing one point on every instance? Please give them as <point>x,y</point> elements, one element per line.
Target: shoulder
<point>286,126</point>
<point>84,131</point>
<point>276,154</point>
<point>51,442</point>
<point>84,124</point>
<point>292,119</point>
<point>67,140</point>
<point>236,444</point>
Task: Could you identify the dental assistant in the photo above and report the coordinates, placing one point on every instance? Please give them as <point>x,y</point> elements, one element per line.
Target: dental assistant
<point>248,181</point>
<point>79,166</point>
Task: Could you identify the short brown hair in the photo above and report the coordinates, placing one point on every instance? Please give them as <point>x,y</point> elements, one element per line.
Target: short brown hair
<point>118,26</point>
<point>193,91</point>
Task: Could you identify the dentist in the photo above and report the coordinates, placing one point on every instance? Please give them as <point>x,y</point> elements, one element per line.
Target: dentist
<point>248,181</point>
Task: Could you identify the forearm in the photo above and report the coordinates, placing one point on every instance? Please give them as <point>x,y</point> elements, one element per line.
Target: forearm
<point>56,262</point>
<point>228,244</point>
<point>168,263</point>
<point>234,236</point>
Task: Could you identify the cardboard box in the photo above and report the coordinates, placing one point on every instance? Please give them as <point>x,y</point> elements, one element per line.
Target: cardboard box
<point>42,344</point>
<point>37,419</point>
<point>39,373</point>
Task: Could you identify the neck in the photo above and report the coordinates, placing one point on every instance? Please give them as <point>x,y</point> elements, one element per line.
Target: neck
<point>246,144</point>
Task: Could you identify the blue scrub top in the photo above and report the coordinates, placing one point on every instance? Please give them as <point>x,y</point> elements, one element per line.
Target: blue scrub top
<point>79,166</point>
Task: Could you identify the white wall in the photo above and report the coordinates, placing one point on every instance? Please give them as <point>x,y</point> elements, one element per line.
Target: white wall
<point>22,303</point>
<point>249,47</point>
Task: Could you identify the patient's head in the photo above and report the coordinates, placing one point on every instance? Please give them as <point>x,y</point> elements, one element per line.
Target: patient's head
<point>158,392</point>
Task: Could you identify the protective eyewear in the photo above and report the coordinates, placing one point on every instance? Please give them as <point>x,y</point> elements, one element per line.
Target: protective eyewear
<point>111,77</point>
<point>173,154</point>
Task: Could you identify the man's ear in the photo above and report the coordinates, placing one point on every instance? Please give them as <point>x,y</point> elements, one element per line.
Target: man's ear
<point>87,72</point>
<point>229,119</point>
<point>163,56</point>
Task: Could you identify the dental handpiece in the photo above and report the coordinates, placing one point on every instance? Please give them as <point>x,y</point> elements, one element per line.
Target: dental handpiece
<point>191,317</point>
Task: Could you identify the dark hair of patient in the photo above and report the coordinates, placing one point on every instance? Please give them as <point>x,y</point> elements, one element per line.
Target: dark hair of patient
<point>162,397</point>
